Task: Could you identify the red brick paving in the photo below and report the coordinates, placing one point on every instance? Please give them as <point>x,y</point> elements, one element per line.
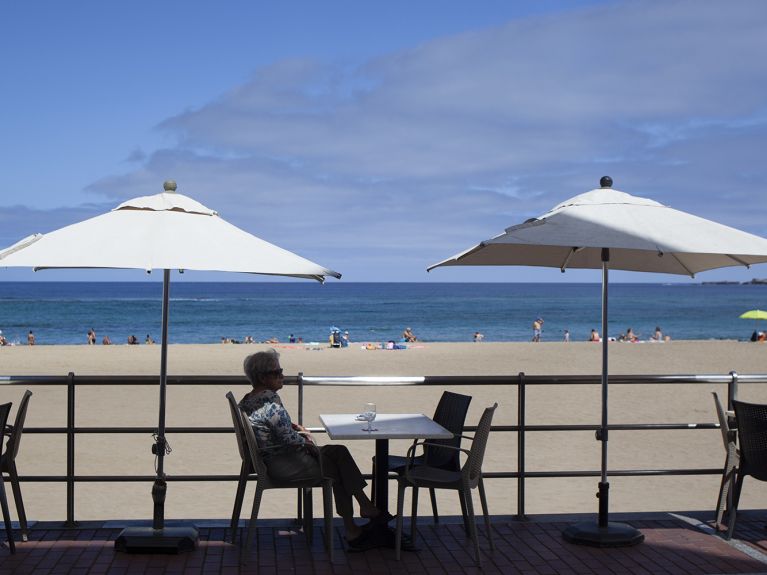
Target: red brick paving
<point>532,547</point>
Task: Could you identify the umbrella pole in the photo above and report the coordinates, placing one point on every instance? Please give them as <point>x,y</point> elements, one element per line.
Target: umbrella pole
<point>159,448</point>
<point>603,533</point>
<point>158,538</point>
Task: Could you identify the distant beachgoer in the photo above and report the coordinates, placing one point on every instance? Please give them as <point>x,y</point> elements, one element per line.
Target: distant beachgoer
<point>148,340</point>
<point>3,341</point>
<point>345,339</point>
<point>567,336</point>
<point>291,338</point>
<point>594,335</point>
<point>408,335</point>
<point>658,335</point>
<point>91,337</point>
<point>300,339</point>
<point>478,337</point>
<point>106,340</point>
<point>631,336</point>
<point>132,340</point>
<point>537,328</point>
<point>30,338</point>
<point>335,338</point>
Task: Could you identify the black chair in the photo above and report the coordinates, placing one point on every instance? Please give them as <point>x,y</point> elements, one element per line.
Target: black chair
<point>751,419</point>
<point>440,453</point>
<point>5,410</point>
<point>463,480</point>
<point>264,482</point>
<point>246,469</point>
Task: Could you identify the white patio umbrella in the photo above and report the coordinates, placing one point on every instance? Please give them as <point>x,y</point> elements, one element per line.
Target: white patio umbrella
<point>605,228</point>
<point>164,231</point>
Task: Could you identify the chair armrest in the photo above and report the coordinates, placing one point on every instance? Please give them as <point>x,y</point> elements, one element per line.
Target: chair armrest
<point>8,429</point>
<point>411,451</point>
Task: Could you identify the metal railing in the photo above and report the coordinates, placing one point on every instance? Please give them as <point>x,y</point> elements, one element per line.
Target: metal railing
<point>521,381</point>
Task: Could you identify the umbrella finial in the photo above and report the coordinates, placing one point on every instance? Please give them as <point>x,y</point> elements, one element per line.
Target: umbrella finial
<point>169,185</point>
<point>606,182</point>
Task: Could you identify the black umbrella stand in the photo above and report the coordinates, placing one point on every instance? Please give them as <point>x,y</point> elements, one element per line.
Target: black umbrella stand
<point>159,538</point>
<point>604,533</point>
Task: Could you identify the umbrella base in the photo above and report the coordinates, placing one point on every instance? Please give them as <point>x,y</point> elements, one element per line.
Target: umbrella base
<point>591,534</point>
<point>169,540</point>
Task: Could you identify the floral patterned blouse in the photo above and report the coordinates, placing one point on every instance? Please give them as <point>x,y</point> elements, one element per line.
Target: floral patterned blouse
<point>271,421</point>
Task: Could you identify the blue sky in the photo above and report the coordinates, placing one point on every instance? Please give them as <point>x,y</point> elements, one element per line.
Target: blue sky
<point>379,138</point>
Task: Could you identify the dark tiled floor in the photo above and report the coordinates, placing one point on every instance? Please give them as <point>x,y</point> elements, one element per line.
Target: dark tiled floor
<point>678,544</point>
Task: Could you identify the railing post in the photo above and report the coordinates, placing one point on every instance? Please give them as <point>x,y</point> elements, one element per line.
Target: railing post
<point>299,497</point>
<point>732,389</point>
<point>70,522</point>
<point>521,446</point>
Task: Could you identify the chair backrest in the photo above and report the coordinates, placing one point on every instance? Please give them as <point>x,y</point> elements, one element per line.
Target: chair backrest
<point>5,410</point>
<point>472,469</point>
<point>14,440</point>
<point>252,446</point>
<point>238,430</point>
<point>451,414</point>
<point>752,436</point>
<point>728,435</point>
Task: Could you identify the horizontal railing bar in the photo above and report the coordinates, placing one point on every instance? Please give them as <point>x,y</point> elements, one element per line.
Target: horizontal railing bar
<point>486,475</point>
<point>386,381</point>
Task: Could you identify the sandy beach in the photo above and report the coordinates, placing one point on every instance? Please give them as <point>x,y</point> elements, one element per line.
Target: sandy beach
<point>206,406</point>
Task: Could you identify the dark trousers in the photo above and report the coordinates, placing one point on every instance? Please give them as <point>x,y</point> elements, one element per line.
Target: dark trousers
<point>337,463</point>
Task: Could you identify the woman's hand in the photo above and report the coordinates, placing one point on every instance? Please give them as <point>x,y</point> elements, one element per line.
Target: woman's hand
<point>301,430</point>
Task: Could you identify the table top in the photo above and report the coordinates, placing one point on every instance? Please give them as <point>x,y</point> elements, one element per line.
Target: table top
<point>387,426</point>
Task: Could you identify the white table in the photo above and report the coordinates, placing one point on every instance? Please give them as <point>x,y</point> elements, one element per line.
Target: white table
<point>388,426</point>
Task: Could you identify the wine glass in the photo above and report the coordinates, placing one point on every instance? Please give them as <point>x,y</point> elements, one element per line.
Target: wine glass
<point>369,415</point>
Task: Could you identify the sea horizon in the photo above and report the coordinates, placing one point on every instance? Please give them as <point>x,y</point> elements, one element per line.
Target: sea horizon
<point>61,312</point>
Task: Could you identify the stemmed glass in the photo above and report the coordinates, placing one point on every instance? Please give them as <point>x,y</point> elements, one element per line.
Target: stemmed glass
<point>369,414</point>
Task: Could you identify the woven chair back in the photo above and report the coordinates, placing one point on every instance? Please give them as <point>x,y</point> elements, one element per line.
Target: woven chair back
<point>12,449</point>
<point>473,465</point>
<point>451,414</point>
<point>752,436</point>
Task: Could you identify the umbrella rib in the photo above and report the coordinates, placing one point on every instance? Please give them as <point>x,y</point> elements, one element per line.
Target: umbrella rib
<point>570,254</point>
<point>740,261</point>
<point>680,262</point>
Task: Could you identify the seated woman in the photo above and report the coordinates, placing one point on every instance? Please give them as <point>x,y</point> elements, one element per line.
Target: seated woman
<point>273,428</point>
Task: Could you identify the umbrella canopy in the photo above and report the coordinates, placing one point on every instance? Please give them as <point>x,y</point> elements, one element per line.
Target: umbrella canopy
<point>164,231</point>
<point>642,235</point>
<point>606,228</point>
<point>754,314</point>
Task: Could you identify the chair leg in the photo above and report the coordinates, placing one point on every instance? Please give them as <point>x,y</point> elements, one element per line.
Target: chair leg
<point>400,511</point>
<point>6,515</point>
<point>414,514</point>
<point>466,493</point>
<point>464,515</point>
<point>433,496</point>
<point>16,487</point>
<point>483,500</point>
<point>238,499</point>
<point>327,507</point>
<point>308,515</point>
<point>251,525</point>
<point>733,511</point>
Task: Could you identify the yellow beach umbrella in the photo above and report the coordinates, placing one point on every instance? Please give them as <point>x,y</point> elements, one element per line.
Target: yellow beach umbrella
<point>754,314</point>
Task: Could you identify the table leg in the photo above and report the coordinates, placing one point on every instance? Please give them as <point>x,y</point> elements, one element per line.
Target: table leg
<point>382,474</point>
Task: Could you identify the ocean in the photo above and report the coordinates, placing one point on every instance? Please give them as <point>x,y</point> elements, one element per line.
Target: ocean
<point>205,312</point>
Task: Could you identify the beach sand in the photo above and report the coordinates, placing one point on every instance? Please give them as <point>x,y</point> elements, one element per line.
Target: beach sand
<point>206,406</point>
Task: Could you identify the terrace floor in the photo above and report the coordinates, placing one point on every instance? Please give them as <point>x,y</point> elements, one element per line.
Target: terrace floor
<point>674,543</point>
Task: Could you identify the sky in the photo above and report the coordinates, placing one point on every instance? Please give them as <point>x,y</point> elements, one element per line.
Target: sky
<point>377,138</point>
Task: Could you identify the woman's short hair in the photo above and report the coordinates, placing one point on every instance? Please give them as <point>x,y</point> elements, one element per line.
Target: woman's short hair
<point>258,363</point>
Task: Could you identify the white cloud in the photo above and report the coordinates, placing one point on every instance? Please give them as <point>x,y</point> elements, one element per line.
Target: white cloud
<point>415,155</point>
